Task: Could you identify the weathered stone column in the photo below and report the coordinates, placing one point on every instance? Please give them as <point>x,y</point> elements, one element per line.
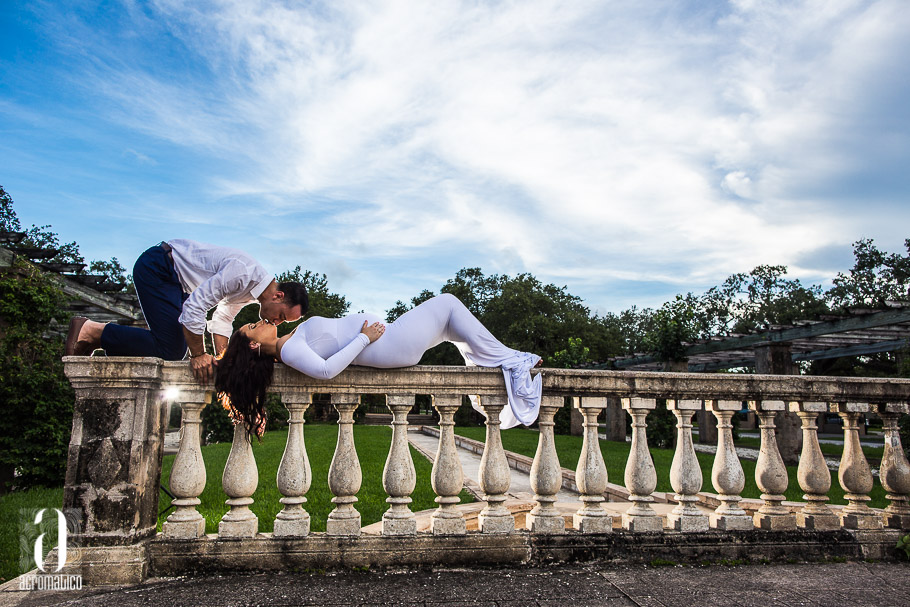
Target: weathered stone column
<point>615,420</point>
<point>447,476</point>
<point>398,475</point>
<point>727,473</point>
<point>294,472</point>
<point>113,467</point>
<point>591,472</point>
<point>770,471</point>
<point>854,473</point>
<point>239,481</point>
<point>776,359</point>
<point>895,470</point>
<point>812,474</point>
<point>640,476</point>
<point>546,473</point>
<point>495,476</point>
<point>345,475</point>
<point>707,427</point>
<point>188,472</point>
<point>685,473</point>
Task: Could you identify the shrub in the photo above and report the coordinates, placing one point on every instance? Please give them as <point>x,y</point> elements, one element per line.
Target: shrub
<point>36,396</point>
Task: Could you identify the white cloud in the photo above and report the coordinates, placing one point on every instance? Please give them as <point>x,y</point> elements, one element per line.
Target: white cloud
<point>582,141</point>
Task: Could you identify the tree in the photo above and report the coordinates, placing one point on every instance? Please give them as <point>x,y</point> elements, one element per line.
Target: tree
<point>37,398</point>
<point>522,313</point>
<point>875,279</point>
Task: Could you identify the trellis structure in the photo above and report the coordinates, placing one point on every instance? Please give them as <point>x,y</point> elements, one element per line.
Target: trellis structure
<point>859,332</point>
<point>87,294</point>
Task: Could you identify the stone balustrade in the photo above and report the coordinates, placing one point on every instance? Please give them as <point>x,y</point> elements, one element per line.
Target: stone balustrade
<point>115,458</point>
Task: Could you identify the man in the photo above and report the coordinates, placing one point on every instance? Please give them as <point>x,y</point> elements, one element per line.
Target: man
<point>178,282</point>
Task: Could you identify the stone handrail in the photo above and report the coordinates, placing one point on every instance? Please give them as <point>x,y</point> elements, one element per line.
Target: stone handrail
<point>115,455</point>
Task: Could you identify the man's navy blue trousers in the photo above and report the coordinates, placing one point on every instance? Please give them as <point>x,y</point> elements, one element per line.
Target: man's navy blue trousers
<point>161,297</point>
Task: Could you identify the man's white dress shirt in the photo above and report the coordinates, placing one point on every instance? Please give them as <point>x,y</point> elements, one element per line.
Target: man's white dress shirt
<point>216,277</point>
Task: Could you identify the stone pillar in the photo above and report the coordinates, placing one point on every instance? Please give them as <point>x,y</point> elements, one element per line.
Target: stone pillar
<point>776,359</point>
<point>546,473</point>
<point>727,473</point>
<point>113,468</point>
<point>294,472</point>
<point>895,470</point>
<point>770,471</point>
<point>591,472</point>
<point>398,475</point>
<point>239,482</point>
<point>188,472</point>
<point>707,427</point>
<point>345,476</point>
<point>685,472</point>
<point>640,476</point>
<point>812,474</point>
<point>615,418</point>
<point>495,475</point>
<point>447,476</point>
<point>576,421</point>
<point>854,473</point>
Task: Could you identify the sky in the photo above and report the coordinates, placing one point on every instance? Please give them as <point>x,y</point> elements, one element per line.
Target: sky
<point>627,150</point>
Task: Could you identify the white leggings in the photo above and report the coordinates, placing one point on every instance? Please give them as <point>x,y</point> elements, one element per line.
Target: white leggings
<point>323,347</point>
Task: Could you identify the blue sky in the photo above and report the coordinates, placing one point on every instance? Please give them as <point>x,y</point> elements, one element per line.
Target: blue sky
<point>628,150</point>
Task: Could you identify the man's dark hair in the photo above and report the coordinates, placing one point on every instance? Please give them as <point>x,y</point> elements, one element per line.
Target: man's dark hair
<point>295,294</point>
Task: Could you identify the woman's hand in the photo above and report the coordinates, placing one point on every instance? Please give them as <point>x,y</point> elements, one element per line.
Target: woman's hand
<point>373,331</point>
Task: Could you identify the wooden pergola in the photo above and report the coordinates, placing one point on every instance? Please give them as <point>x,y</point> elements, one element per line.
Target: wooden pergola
<point>856,333</point>
<point>89,295</point>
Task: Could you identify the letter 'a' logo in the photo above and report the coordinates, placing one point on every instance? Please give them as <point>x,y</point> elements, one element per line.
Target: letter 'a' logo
<point>61,541</point>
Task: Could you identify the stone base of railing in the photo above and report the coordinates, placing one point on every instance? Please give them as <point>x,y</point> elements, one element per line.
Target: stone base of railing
<point>105,565</point>
<point>319,551</point>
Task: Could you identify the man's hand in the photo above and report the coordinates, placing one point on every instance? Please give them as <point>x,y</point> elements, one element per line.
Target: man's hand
<point>203,367</point>
<point>201,363</point>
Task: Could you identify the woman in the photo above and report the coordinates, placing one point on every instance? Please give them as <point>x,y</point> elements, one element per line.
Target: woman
<point>324,347</point>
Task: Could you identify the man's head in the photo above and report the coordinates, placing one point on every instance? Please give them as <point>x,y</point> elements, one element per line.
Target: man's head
<point>284,301</point>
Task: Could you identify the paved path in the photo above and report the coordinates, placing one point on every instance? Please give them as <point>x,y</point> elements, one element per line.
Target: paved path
<point>840,584</point>
<point>470,464</point>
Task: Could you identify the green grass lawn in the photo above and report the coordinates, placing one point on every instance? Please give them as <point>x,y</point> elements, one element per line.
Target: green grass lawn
<point>615,454</point>
<point>372,444</point>
<point>828,449</point>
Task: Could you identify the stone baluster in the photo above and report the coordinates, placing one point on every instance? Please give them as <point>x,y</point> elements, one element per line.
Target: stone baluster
<point>854,473</point>
<point>345,476</point>
<point>591,472</point>
<point>495,475</point>
<point>546,473</point>
<point>239,482</point>
<point>812,473</point>
<point>895,470</point>
<point>685,472</point>
<point>294,473</point>
<point>447,476</point>
<point>188,472</point>
<point>640,476</point>
<point>770,471</point>
<point>398,475</point>
<point>727,474</point>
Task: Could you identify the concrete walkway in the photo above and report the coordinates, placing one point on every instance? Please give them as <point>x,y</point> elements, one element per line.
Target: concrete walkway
<point>470,464</point>
<point>856,584</point>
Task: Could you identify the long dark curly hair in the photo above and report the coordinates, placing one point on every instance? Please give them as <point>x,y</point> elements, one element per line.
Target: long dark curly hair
<point>242,377</point>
